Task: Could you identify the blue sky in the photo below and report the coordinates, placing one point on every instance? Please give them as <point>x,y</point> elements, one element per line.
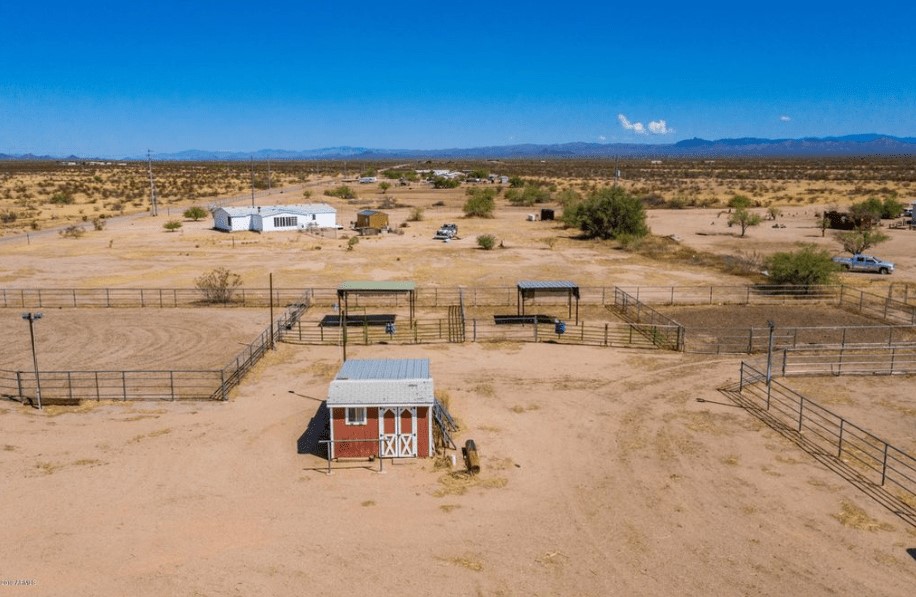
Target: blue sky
<point>115,78</point>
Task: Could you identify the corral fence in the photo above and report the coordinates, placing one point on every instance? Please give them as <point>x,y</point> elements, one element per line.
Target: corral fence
<point>204,384</point>
<point>868,459</point>
<point>704,340</point>
<point>637,304</point>
<point>433,331</point>
<point>848,360</point>
<point>73,298</point>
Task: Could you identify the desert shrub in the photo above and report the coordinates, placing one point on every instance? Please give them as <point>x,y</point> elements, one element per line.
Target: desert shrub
<point>516,182</point>
<point>528,195</point>
<point>307,194</point>
<point>218,285</point>
<point>99,223</point>
<point>568,197</point>
<point>195,213</point>
<point>341,192</point>
<point>808,265</point>
<point>172,225</point>
<point>384,186</point>
<point>608,213</point>
<point>352,242</point>
<point>486,242</point>
<point>416,214</point>
<point>73,231</point>
<point>480,204</point>
<point>62,198</point>
<point>440,182</point>
<point>8,217</point>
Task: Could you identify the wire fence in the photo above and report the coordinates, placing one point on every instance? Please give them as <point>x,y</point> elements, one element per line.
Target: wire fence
<point>72,298</point>
<point>864,458</point>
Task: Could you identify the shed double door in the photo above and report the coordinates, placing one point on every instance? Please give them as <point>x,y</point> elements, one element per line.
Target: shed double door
<point>398,432</point>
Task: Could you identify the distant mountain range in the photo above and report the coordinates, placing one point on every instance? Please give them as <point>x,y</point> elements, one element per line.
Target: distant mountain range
<point>848,145</point>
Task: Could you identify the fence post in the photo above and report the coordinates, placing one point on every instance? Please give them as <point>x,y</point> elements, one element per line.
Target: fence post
<point>750,341</point>
<point>839,451</point>
<point>124,385</point>
<point>535,326</point>
<point>98,391</point>
<point>801,410</point>
<point>19,382</point>
<point>474,321</point>
<point>785,358</point>
<point>172,384</point>
<point>884,466</point>
<point>222,382</point>
<point>69,385</point>
<point>741,378</point>
<point>605,334</point>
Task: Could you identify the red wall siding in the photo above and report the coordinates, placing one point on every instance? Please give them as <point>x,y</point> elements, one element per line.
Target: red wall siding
<point>342,431</point>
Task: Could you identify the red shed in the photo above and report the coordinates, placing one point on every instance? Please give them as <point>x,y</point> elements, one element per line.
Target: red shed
<point>382,407</point>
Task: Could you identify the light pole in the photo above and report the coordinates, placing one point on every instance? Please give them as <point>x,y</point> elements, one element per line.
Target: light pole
<point>31,317</point>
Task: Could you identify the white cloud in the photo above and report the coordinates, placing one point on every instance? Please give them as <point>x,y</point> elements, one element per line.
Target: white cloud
<point>656,127</point>
<point>602,138</point>
<point>659,127</point>
<point>785,118</point>
<point>636,127</point>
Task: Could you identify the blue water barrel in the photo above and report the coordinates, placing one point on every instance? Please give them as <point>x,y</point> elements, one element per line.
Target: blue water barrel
<point>559,327</point>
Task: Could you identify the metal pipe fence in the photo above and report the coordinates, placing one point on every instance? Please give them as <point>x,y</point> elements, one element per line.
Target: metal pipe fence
<point>432,331</point>
<point>704,340</point>
<point>854,360</point>
<point>732,295</point>
<point>74,298</point>
<point>870,458</point>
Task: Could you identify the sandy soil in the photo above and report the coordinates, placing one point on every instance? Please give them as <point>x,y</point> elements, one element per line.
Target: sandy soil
<point>605,471</point>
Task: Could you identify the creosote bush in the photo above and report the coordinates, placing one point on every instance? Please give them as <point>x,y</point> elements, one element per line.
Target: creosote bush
<point>218,285</point>
<point>486,242</point>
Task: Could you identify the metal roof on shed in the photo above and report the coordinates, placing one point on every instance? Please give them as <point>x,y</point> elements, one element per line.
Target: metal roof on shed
<point>546,285</point>
<point>382,392</point>
<point>382,382</point>
<point>370,286</point>
<point>374,369</point>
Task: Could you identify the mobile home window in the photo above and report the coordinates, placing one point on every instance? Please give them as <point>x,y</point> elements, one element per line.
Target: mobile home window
<point>356,416</point>
<point>285,221</point>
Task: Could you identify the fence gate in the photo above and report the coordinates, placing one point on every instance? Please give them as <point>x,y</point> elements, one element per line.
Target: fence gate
<point>398,432</point>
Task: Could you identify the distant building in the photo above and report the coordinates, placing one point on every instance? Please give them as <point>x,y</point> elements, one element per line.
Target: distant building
<point>367,179</point>
<point>275,218</point>
<point>371,219</point>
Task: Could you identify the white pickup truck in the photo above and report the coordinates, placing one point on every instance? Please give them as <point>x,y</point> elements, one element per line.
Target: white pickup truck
<point>865,263</point>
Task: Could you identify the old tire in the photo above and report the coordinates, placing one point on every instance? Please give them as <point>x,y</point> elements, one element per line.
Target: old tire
<point>883,271</point>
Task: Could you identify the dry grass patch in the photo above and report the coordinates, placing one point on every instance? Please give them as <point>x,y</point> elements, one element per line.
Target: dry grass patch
<point>469,562</point>
<point>150,435</point>
<point>324,370</point>
<point>854,517</point>
<point>459,482</point>
<point>447,508</point>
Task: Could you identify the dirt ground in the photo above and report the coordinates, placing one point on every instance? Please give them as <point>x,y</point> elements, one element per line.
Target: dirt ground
<point>605,471</point>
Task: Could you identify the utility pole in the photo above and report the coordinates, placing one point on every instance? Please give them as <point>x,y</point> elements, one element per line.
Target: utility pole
<point>251,162</point>
<point>153,199</point>
<point>268,176</point>
<point>31,317</point>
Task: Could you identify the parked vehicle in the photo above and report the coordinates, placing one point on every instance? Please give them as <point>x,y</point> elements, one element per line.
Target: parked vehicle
<point>447,232</point>
<point>865,263</point>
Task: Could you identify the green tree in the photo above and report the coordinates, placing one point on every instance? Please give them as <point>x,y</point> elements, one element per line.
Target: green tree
<point>808,266</point>
<point>218,285</point>
<point>867,213</point>
<point>384,186</point>
<point>568,197</point>
<point>744,218</point>
<point>891,208</point>
<point>486,242</point>
<point>481,203</point>
<point>195,213</point>
<point>172,225</point>
<point>516,182</point>
<point>608,213</point>
<point>860,240</point>
<point>739,201</point>
<point>480,173</point>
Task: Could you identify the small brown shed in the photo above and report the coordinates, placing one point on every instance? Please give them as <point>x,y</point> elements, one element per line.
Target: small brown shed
<point>370,218</point>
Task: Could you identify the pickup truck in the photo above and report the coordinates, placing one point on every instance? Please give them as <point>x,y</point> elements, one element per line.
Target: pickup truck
<point>865,263</point>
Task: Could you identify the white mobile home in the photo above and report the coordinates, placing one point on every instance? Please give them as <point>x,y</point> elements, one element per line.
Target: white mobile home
<point>275,217</point>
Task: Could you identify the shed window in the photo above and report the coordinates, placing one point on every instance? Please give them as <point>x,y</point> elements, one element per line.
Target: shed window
<point>356,416</point>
